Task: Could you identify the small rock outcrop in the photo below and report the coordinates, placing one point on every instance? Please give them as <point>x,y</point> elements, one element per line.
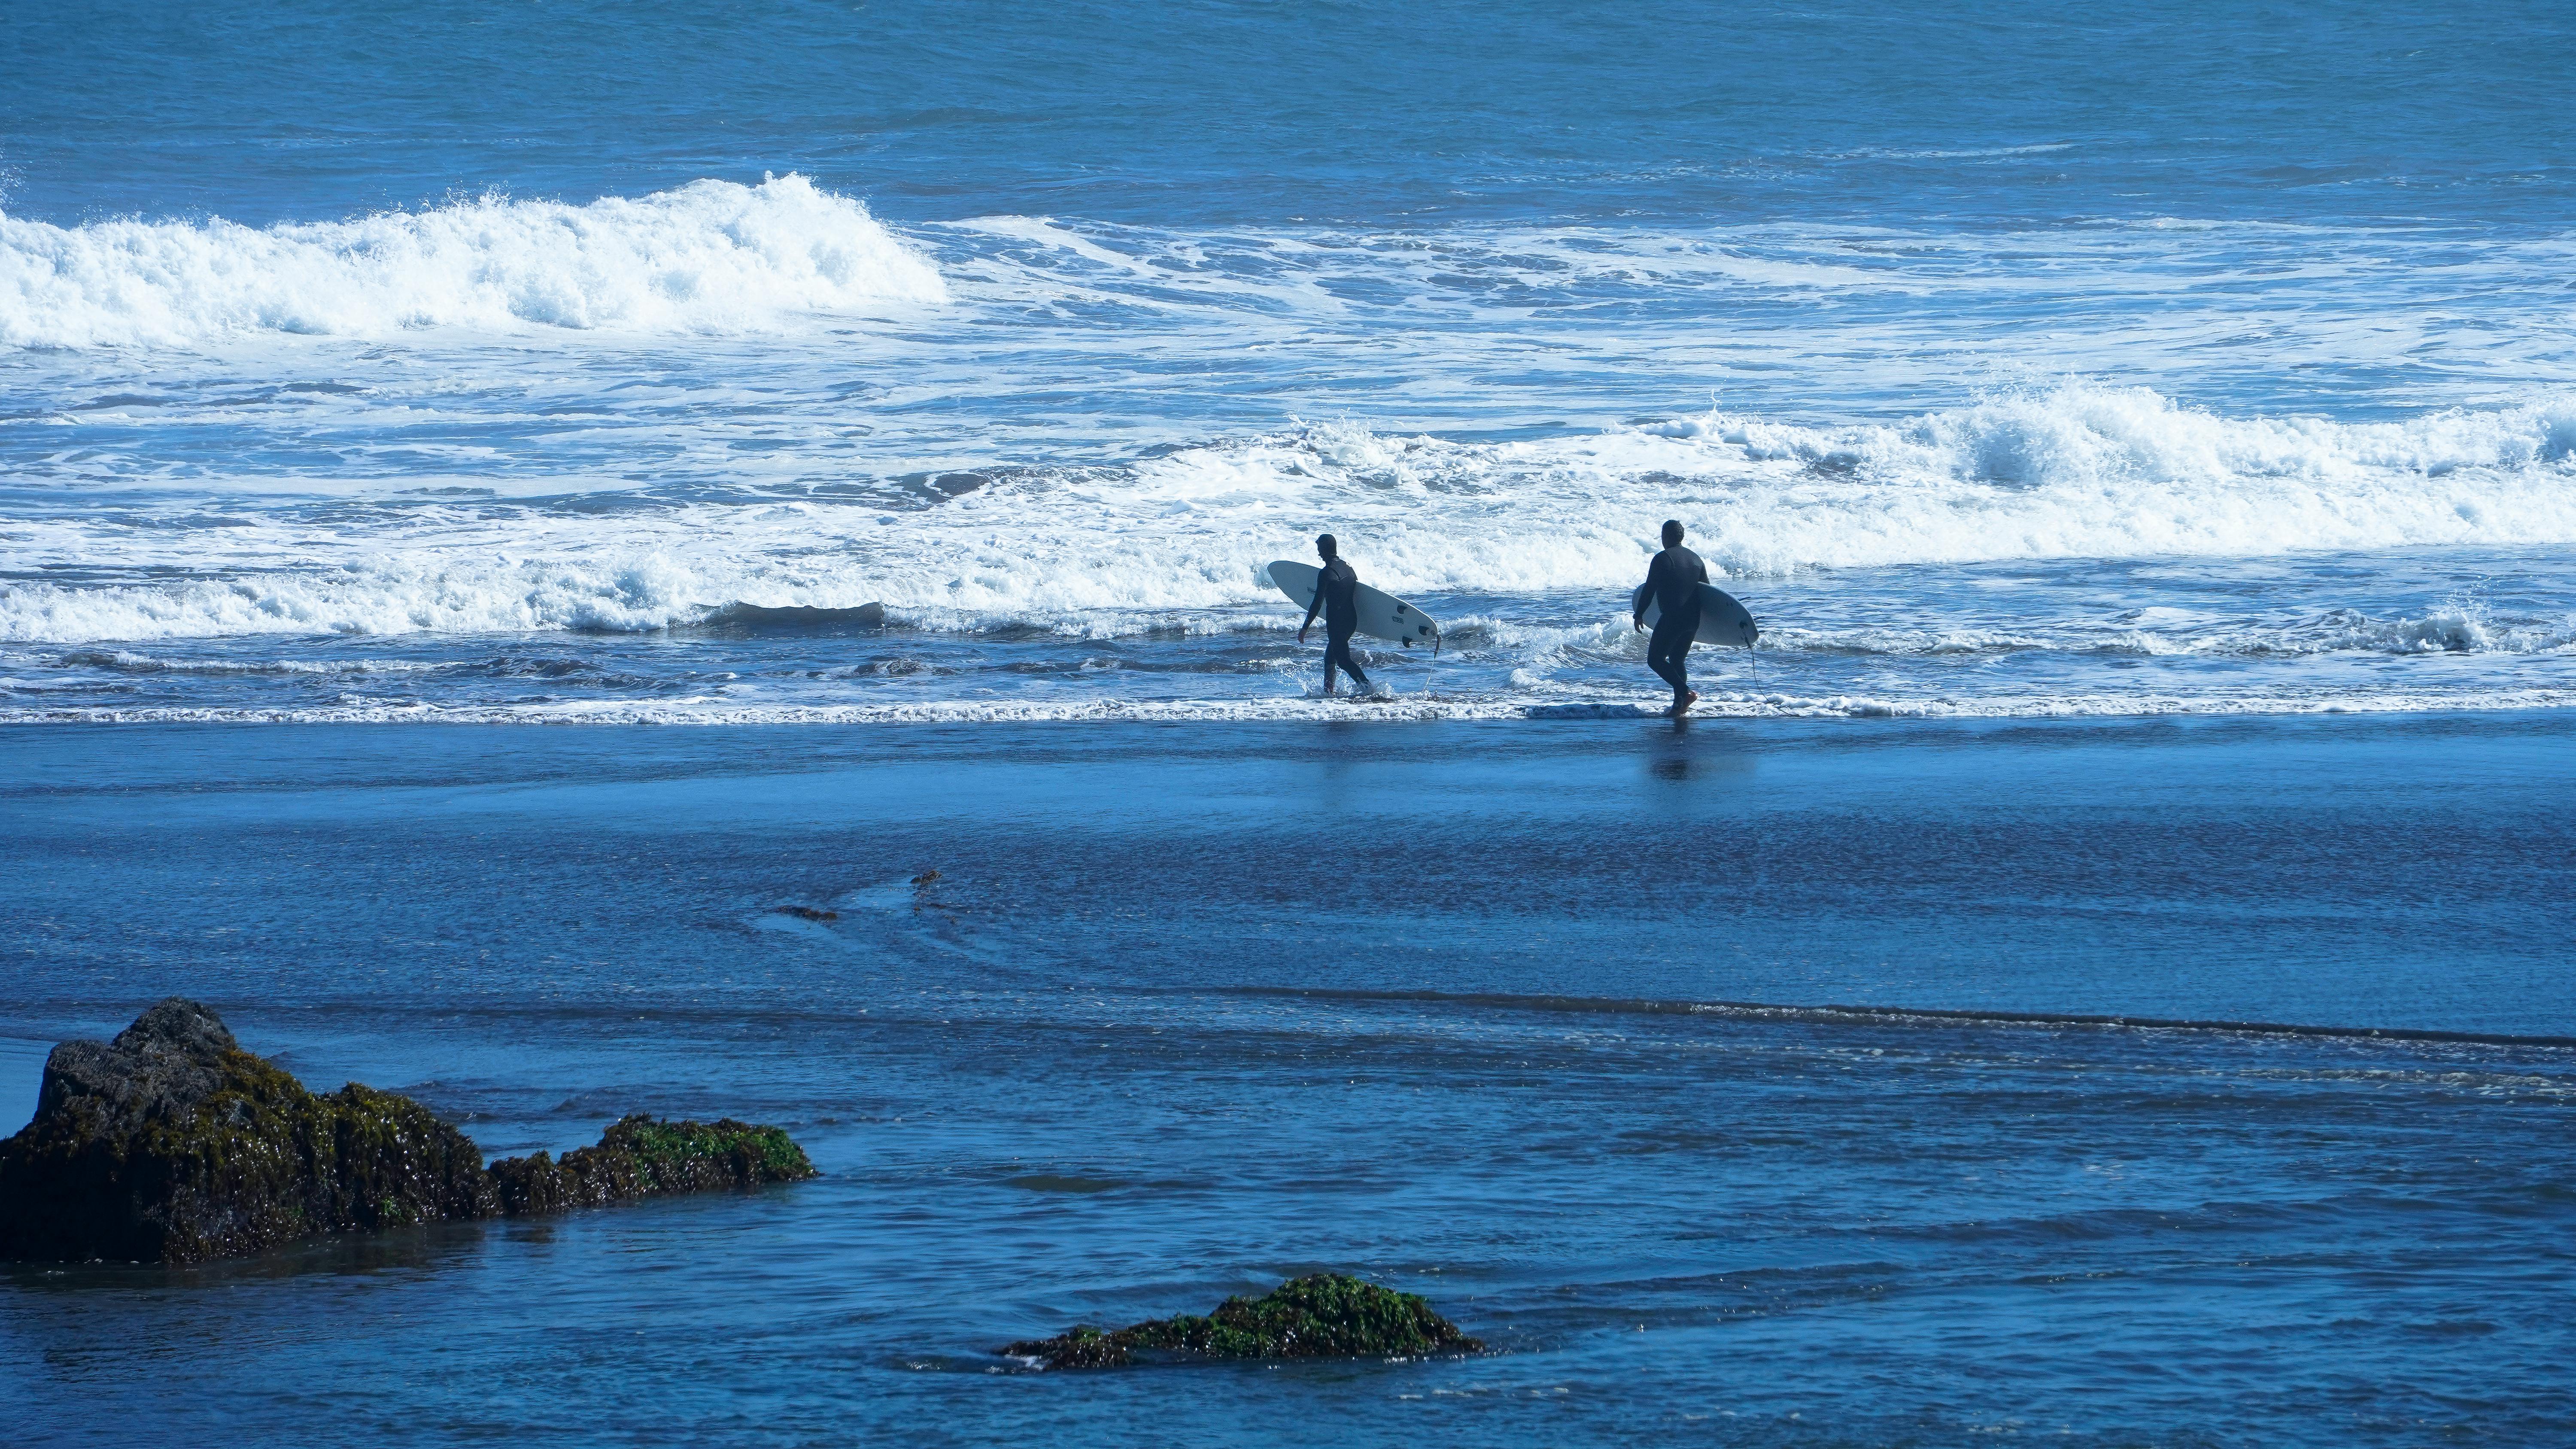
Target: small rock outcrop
<point>1326,1315</point>
<point>171,1144</point>
<point>643,1156</point>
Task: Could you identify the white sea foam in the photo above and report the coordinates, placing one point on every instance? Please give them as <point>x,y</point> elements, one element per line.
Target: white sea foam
<point>2077,471</point>
<point>2089,471</point>
<point>2072,472</point>
<point>709,257</point>
<point>418,591</point>
<point>2451,629</point>
<point>126,661</point>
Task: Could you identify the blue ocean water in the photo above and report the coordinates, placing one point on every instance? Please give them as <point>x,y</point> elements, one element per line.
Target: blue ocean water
<point>1427,1014</point>
<point>2146,433</point>
<point>458,361</point>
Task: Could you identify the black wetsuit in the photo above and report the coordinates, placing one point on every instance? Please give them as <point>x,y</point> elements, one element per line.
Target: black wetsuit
<point>1673,581</point>
<point>1337,595</point>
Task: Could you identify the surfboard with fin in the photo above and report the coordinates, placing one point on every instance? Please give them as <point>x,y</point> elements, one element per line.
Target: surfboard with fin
<point>1382,615</point>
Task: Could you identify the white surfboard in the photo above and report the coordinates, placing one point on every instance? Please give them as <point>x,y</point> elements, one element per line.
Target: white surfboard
<point>1721,619</point>
<point>1382,615</point>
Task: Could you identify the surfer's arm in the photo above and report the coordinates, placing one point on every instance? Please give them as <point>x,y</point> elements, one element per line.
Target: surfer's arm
<point>1312,605</point>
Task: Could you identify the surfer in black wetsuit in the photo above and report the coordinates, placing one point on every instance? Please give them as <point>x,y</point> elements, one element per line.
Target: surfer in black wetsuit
<point>1337,596</point>
<point>1672,582</point>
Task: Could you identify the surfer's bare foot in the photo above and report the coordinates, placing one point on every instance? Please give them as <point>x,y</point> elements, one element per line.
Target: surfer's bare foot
<point>1689,697</point>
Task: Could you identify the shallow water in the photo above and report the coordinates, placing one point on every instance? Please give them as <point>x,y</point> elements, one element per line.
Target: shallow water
<point>1184,1014</point>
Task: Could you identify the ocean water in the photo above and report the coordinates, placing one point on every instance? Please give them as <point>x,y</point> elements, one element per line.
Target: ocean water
<point>366,362</point>
<point>2147,435</point>
<point>1424,1015</point>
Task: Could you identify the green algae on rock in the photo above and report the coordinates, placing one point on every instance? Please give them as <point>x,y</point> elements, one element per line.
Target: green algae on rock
<point>1325,1315</point>
<point>171,1144</point>
<point>642,1156</point>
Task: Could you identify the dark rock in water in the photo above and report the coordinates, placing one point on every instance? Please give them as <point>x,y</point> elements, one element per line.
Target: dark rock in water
<point>643,1156</point>
<point>172,1144</point>
<point>809,913</point>
<point>1328,1315</point>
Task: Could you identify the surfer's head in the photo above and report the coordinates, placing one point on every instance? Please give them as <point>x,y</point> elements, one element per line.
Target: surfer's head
<point>1325,547</point>
<point>1672,533</point>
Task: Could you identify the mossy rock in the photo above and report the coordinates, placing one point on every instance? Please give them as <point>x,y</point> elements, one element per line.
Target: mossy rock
<point>171,1144</point>
<point>643,1156</point>
<point>1326,1315</point>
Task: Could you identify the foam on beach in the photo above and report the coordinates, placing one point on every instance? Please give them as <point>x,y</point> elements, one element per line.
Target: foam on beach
<point>1625,704</point>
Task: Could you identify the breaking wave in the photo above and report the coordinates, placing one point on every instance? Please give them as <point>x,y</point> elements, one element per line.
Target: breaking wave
<point>2083,470</point>
<point>708,257</point>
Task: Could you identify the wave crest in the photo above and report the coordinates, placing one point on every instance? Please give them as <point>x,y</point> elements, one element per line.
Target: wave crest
<point>2082,470</point>
<point>2084,435</point>
<point>708,257</point>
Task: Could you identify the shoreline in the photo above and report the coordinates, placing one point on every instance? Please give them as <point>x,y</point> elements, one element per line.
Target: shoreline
<point>1393,709</point>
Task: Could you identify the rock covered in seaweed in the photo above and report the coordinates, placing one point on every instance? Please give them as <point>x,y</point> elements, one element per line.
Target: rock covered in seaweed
<point>172,1144</point>
<point>1325,1315</point>
<point>643,1156</point>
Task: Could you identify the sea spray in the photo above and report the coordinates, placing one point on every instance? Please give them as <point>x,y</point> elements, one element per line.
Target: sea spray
<point>709,257</point>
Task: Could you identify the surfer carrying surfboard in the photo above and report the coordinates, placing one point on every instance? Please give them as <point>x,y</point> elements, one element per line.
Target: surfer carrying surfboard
<point>1672,582</point>
<point>1337,597</point>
